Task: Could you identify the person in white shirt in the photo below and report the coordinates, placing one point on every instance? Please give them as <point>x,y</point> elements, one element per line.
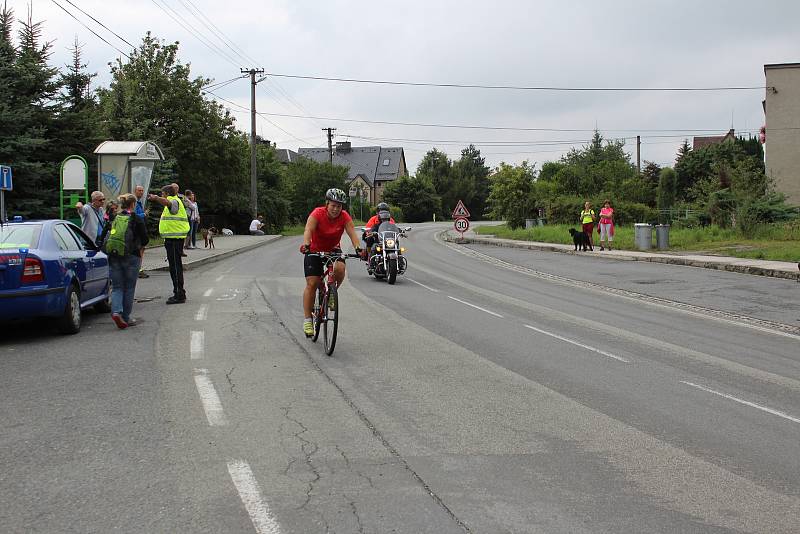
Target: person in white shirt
<point>256,226</point>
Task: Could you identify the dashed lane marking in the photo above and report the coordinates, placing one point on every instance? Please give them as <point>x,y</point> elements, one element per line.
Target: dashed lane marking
<point>772,411</point>
<point>576,343</point>
<point>247,486</point>
<point>196,343</point>
<point>208,292</point>
<point>208,396</point>
<point>476,307</point>
<point>423,285</point>
<point>202,313</point>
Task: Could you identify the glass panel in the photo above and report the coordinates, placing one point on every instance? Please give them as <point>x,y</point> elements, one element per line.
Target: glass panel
<point>83,240</point>
<point>20,236</point>
<point>64,238</point>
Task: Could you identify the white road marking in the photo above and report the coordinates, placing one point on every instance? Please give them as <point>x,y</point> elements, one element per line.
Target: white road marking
<point>476,307</point>
<point>587,347</point>
<point>208,395</point>
<point>423,285</point>
<point>196,344</point>
<point>219,278</point>
<point>208,292</point>
<point>746,403</point>
<point>202,313</point>
<point>247,486</point>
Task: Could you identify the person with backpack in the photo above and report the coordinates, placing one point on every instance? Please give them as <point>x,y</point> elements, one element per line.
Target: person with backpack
<point>122,239</point>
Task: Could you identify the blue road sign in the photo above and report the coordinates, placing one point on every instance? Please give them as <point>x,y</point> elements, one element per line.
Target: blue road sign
<point>5,178</point>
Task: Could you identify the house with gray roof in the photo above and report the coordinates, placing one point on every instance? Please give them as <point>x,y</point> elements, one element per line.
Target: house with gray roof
<point>370,167</point>
<point>286,155</point>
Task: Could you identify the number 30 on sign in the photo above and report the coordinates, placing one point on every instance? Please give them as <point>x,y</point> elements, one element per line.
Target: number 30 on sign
<point>461,224</point>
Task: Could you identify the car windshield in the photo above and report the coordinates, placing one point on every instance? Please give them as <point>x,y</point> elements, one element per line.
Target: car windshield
<point>13,236</point>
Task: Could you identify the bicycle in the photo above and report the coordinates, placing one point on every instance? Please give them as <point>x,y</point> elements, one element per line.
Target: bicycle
<point>326,307</point>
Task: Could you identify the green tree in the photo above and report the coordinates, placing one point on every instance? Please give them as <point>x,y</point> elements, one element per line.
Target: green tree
<point>153,96</point>
<point>306,182</point>
<point>415,196</point>
<point>438,169</point>
<point>27,117</point>
<point>667,184</point>
<point>470,182</point>
<point>78,124</point>
<point>511,198</point>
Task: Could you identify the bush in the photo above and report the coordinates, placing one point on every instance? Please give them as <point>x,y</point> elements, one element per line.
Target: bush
<point>567,209</point>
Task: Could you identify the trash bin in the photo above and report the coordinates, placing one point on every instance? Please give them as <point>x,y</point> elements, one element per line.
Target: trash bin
<point>643,236</point>
<point>662,236</point>
<point>530,223</point>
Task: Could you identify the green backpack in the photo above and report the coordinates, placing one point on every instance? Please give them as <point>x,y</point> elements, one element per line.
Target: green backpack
<point>119,241</point>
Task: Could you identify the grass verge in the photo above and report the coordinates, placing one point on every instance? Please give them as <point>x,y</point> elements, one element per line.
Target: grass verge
<point>780,242</point>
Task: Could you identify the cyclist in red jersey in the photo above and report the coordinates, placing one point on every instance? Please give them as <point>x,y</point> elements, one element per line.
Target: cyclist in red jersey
<point>323,233</point>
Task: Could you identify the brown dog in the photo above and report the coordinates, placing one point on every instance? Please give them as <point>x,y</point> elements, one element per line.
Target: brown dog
<point>208,236</point>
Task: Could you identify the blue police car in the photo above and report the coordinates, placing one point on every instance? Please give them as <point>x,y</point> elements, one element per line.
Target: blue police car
<point>50,268</point>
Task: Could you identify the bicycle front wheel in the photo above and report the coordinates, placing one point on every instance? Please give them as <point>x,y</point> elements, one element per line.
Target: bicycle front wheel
<point>318,313</point>
<point>330,326</point>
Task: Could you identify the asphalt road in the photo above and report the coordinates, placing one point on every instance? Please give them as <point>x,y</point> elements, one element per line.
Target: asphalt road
<point>489,390</point>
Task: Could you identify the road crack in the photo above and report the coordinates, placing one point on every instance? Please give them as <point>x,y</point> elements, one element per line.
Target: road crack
<point>309,449</point>
<point>229,377</point>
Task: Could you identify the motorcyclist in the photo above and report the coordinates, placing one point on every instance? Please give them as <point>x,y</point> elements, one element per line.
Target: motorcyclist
<point>371,228</point>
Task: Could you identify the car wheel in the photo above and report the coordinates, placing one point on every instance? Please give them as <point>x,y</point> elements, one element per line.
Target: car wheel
<point>70,322</point>
<point>104,306</point>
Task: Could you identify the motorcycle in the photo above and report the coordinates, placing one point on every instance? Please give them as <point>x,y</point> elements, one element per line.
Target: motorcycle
<point>386,259</point>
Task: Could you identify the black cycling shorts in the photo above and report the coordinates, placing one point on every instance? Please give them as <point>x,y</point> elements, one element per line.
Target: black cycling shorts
<point>312,265</point>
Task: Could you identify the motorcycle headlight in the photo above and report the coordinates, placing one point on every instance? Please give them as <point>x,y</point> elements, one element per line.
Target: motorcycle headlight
<point>390,242</point>
<point>378,249</point>
<point>402,249</point>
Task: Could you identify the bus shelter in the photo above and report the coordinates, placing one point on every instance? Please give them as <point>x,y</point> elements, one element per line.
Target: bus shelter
<point>122,165</point>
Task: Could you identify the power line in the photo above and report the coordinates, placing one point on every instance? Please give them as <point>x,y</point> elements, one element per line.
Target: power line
<point>243,108</point>
<point>219,85</point>
<point>479,127</point>
<point>201,21</point>
<point>91,30</point>
<point>118,36</point>
<point>513,87</point>
<point>189,28</point>
<point>243,54</point>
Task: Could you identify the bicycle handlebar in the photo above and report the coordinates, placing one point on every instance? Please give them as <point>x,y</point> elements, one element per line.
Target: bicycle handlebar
<point>333,255</point>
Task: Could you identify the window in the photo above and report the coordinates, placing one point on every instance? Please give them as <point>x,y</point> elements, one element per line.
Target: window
<point>85,242</point>
<point>64,238</point>
<point>386,162</point>
<point>19,236</point>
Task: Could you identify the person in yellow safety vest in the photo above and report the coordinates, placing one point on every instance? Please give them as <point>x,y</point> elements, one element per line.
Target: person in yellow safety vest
<point>173,227</point>
<point>587,220</point>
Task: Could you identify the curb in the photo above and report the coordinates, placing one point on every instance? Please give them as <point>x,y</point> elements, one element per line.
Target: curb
<point>670,260</point>
<point>218,257</point>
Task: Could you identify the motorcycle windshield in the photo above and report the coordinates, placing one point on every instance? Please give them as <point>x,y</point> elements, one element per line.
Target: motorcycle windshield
<point>387,227</point>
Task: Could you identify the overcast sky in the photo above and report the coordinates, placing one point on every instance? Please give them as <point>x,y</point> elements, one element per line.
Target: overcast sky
<point>562,43</point>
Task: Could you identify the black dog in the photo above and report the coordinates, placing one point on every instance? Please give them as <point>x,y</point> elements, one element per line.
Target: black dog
<point>580,239</point>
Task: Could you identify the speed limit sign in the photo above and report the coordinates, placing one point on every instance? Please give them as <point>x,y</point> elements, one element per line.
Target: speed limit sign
<point>461,224</point>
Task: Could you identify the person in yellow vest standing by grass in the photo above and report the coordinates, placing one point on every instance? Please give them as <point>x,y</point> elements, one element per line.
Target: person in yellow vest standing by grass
<point>587,220</point>
<point>173,227</point>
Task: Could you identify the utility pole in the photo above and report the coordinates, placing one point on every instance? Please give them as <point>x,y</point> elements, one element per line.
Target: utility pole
<point>639,154</point>
<point>330,142</point>
<point>253,189</point>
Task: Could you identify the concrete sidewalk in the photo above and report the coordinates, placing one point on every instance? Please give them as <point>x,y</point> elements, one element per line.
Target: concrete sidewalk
<point>225,247</point>
<point>777,269</point>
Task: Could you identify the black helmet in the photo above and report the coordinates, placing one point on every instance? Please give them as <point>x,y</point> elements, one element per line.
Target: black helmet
<point>383,206</point>
<point>336,195</point>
